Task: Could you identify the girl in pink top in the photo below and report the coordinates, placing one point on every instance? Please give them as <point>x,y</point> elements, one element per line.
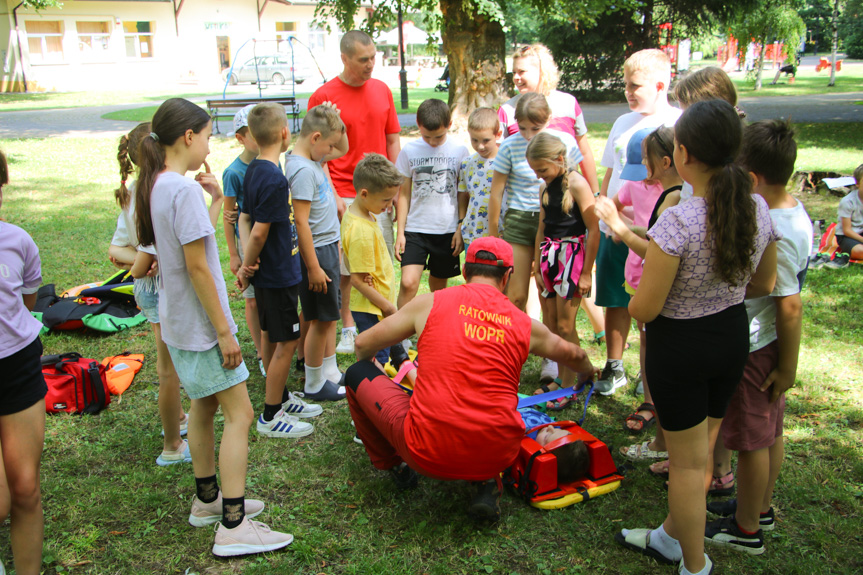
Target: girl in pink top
<point>704,256</point>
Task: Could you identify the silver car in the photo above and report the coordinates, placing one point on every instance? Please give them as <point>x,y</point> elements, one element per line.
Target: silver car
<point>275,68</point>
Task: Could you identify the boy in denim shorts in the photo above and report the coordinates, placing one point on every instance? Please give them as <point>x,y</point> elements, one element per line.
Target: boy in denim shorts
<point>428,203</point>
<point>272,248</point>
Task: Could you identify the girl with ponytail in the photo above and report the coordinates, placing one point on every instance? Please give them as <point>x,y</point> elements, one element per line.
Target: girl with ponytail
<point>703,258</point>
<point>197,326</point>
<point>126,253</point>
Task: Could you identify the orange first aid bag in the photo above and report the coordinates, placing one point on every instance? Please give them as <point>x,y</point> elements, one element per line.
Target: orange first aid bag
<point>120,370</point>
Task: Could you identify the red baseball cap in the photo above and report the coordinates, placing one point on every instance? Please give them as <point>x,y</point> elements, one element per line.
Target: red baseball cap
<point>501,250</point>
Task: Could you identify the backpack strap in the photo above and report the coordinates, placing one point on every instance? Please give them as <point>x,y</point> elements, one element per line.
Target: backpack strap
<point>97,402</point>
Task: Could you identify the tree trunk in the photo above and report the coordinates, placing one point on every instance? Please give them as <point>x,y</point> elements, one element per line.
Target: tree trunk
<point>835,42</point>
<point>474,46</point>
<point>759,63</point>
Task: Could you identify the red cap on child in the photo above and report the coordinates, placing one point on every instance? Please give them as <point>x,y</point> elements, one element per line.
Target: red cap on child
<point>501,251</point>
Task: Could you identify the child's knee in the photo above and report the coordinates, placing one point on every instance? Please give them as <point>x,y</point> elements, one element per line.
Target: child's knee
<point>25,491</point>
<point>565,329</point>
<point>410,284</point>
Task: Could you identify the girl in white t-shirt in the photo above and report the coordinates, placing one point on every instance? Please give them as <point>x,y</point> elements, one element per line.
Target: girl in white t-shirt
<point>197,325</point>
<point>126,253</point>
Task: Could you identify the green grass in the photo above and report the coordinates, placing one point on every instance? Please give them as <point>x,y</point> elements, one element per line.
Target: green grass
<point>807,82</point>
<point>110,509</point>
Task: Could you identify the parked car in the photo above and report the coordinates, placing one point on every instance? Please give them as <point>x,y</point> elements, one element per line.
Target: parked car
<point>275,68</point>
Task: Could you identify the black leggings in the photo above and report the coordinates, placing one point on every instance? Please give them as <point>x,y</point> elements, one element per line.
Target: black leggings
<point>694,365</point>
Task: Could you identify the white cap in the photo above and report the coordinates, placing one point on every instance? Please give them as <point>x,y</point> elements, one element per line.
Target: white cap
<point>241,119</point>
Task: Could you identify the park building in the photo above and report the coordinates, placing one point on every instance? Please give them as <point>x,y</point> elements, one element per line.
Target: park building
<point>125,44</point>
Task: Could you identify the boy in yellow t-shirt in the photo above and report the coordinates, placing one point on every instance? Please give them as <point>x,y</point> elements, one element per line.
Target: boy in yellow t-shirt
<point>376,181</point>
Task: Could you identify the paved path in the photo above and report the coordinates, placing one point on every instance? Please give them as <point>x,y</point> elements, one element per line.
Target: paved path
<point>88,122</point>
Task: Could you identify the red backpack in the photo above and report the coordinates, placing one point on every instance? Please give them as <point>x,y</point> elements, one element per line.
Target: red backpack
<point>75,384</point>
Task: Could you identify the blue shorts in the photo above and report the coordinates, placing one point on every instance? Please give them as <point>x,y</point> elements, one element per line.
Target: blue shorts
<point>147,299</point>
<point>610,263</point>
<point>201,372</point>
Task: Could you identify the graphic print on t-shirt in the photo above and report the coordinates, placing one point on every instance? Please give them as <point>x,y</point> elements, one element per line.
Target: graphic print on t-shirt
<point>433,176</point>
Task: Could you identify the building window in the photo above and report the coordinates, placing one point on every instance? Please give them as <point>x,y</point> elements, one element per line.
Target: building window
<point>45,39</point>
<point>317,39</point>
<point>139,39</point>
<point>94,39</point>
<point>285,30</point>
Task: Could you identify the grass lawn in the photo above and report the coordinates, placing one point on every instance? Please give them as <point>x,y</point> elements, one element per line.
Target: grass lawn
<point>110,509</point>
<point>416,96</point>
<point>807,82</point>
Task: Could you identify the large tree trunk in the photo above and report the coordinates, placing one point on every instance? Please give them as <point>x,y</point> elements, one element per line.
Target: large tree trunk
<point>759,63</point>
<point>835,42</point>
<point>474,46</point>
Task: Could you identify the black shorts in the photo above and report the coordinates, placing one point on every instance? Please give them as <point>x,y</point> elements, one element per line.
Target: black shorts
<point>319,306</point>
<point>22,384</point>
<point>433,252</point>
<point>846,244</point>
<point>277,311</point>
<point>694,365</point>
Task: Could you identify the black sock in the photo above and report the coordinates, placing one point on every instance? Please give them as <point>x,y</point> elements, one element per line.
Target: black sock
<point>286,395</point>
<point>270,411</point>
<point>207,489</point>
<point>300,365</point>
<point>233,511</point>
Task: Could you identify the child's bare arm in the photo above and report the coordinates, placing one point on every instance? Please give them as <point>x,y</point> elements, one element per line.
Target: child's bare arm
<point>588,163</point>
<point>318,279</point>
<point>339,149</point>
<point>231,234</point>
<point>582,193</point>
<point>789,326</point>
<point>359,281</point>
<point>403,205</point>
<point>256,239</point>
<point>495,199</point>
<point>142,266</point>
<point>609,212</point>
<point>122,256</point>
<point>848,230</point>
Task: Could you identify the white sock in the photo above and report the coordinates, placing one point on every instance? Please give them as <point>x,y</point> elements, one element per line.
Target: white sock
<point>331,369</point>
<point>665,543</point>
<point>708,564</point>
<point>314,379</point>
<point>615,364</point>
<point>353,328</point>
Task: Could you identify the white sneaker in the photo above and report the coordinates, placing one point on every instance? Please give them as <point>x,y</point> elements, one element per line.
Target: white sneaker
<point>609,381</point>
<point>284,425</point>
<point>299,408</point>
<point>248,537</point>
<point>548,372</point>
<point>346,343</point>
<point>184,428</point>
<point>204,514</point>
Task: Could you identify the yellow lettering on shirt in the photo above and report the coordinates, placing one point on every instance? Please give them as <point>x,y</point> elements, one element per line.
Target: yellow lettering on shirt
<point>481,332</point>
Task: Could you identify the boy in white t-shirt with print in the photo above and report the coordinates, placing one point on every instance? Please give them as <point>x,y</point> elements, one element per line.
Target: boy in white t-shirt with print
<point>428,204</point>
<point>753,424</point>
<point>646,75</point>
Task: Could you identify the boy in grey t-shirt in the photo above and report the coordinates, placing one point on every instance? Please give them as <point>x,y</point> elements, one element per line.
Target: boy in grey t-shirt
<point>849,232</point>
<point>322,138</point>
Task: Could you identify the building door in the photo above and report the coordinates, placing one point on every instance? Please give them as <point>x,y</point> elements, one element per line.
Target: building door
<point>223,45</point>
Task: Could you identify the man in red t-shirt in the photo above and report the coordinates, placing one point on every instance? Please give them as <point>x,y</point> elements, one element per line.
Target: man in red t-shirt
<point>369,113</point>
<point>461,421</point>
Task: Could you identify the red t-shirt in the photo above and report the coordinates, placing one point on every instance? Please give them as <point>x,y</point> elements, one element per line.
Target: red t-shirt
<point>462,422</point>
<point>369,114</point>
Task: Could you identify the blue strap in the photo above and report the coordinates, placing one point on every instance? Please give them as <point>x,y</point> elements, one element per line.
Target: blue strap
<point>557,394</point>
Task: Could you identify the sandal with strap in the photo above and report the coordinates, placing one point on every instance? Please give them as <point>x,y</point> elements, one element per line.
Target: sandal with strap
<point>638,540</point>
<point>599,338</point>
<point>643,423</point>
<point>721,486</point>
<point>642,452</point>
<point>546,387</point>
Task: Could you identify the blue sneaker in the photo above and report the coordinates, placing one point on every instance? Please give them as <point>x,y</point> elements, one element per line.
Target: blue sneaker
<point>181,455</point>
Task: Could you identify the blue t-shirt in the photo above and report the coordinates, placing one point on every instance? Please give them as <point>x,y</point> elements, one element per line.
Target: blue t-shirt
<point>308,182</point>
<point>268,201</point>
<point>232,181</point>
<point>533,417</point>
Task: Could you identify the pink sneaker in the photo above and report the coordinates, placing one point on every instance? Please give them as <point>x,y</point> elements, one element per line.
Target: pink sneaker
<point>248,537</point>
<point>204,514</point>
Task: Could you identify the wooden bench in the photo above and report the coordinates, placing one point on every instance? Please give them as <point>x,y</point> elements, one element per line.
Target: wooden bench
<point>228,107</point>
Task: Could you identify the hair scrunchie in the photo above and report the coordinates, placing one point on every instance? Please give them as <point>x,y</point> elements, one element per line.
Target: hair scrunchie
<point>155,136</point>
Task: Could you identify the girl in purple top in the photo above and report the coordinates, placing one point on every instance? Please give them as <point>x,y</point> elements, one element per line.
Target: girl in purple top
<point>22,393</point>
<point>704,256</point>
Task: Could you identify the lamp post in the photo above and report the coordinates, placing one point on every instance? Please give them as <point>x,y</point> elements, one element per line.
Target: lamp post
<point>403,74</point>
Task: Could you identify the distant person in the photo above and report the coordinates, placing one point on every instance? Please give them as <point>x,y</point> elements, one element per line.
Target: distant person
<point>850,228</point>
<point>369,113</point>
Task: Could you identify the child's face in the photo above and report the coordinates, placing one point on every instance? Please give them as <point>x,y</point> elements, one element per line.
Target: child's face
<point>199,148</point>
<point>641,91</point>
<point>434,138</point>
<point>528,129</point>
<point>548,434</point>
<point>484,142</point>
<point>323,147</point>
<point>379,202</point>
<point>526,74</point>
<point>545,169</point>
<point>248,142</point>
